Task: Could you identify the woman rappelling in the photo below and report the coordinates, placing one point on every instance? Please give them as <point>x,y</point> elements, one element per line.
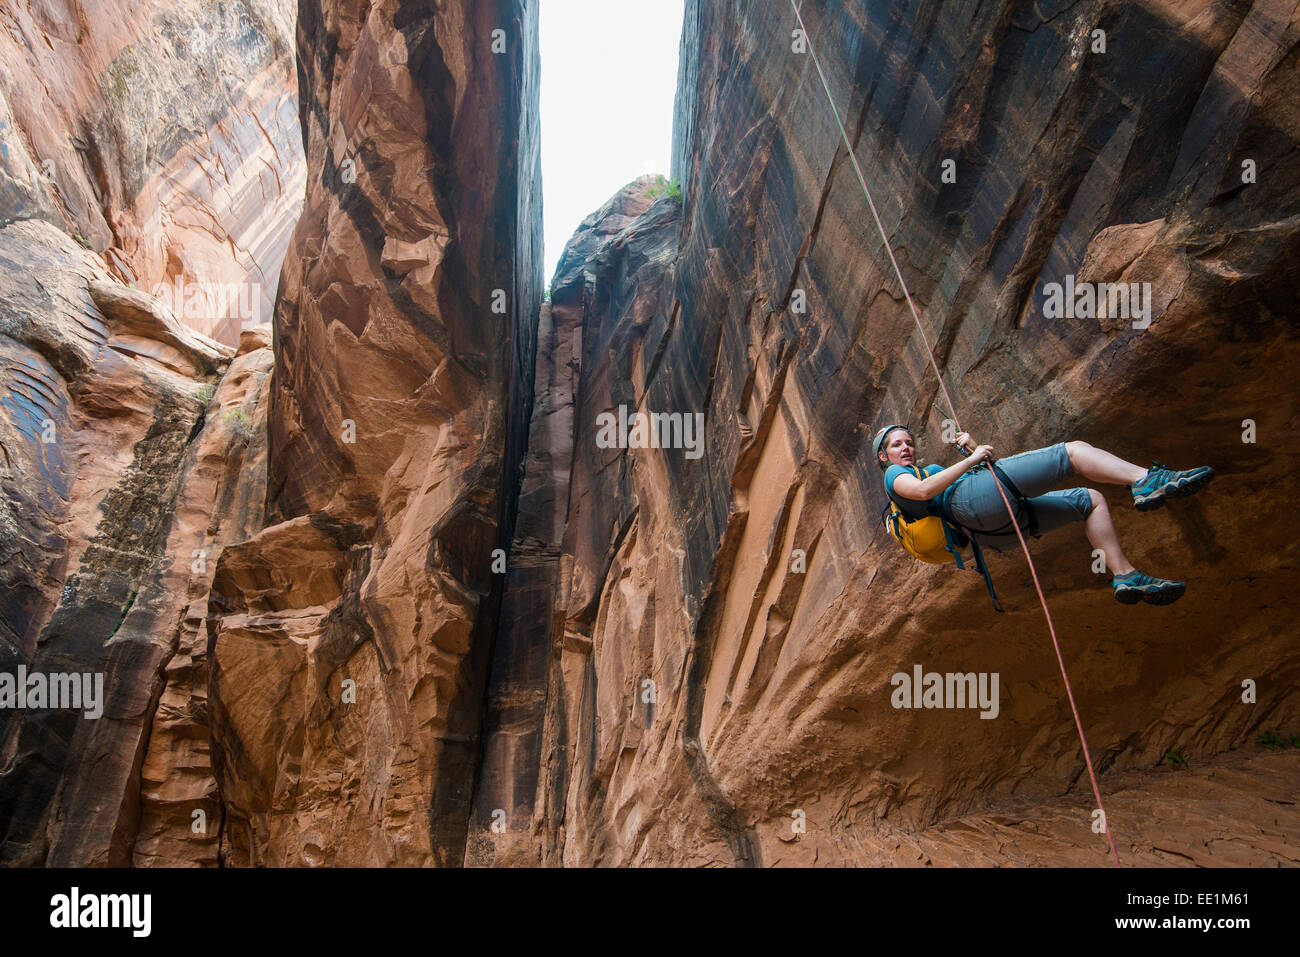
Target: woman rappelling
<point>965,495</point>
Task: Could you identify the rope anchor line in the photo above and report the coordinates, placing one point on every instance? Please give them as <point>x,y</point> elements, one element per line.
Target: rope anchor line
<point>1060,660</point>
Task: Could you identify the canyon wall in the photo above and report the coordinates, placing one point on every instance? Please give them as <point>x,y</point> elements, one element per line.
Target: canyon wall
<point>391,582</point>
<point>695,655</point>
<point>279,562</point>
<point>144,149</point>
<point>117,455</point>
<point>163,136</point>
<point>348,641</point>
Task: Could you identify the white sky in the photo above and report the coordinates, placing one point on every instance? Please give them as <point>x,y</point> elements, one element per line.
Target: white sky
<point>609,74</point>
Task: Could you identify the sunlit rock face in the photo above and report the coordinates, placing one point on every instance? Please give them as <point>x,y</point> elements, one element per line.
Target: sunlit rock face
<point>164,135</point>
<point>150,174</point>
<point>695,656</point>
<point>348,641</point>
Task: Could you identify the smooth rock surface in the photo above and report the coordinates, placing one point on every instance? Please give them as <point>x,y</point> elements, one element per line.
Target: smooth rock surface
<point>164,135</point>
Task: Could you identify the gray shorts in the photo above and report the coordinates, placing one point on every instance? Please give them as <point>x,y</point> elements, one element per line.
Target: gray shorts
<point>976,504</point>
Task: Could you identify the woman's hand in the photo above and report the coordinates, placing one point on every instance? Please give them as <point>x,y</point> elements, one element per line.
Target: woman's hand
<point>980,454</point>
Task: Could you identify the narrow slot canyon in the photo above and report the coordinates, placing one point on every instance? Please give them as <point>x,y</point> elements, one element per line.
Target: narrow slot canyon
<point>392,551</point>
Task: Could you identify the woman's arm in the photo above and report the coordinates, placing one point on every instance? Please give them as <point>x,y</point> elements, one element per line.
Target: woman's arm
<point>919,490</point>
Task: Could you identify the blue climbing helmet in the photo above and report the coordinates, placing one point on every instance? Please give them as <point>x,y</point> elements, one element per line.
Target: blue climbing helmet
<point>883,434</point>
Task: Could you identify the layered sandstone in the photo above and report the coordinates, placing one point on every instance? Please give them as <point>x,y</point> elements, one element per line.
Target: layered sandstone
<point>377,595</point>
<point>149,158</point>
<point>162,135</point>
<point>605,320</point>
<point>104,394</point>
<point>220,502</point>
<point>227,614</point>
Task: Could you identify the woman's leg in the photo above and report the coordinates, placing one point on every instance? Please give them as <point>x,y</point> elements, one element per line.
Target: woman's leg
<point>1098,465</point>
<point>1101,533</point>
<point>1056,510</point>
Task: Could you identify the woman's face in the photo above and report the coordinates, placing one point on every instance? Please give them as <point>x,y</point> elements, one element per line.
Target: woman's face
<point>899,448</point>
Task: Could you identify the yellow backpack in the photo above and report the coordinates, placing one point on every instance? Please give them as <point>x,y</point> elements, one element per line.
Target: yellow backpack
<point>930,539</point>
<point>937,538</point>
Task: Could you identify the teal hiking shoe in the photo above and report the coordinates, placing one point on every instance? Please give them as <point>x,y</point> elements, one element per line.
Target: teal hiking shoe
<point>1135,587</point>
<point>1160,481</point>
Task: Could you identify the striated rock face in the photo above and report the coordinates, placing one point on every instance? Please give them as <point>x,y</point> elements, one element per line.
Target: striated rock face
<point>163,134</point>
<point>606,320</point>
<point>102,422</point>
<point>694,658</point>
<point>348,641</point>
<point>404,578</point>
<point>261,643</point>
<point>220,502</point>
<point>149,157</point>
<point>281,568</point>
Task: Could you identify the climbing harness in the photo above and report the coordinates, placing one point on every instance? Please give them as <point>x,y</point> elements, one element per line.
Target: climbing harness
<point>848,146</point>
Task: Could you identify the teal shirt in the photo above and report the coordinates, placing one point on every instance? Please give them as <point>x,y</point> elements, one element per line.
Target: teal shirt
<point>909,506</point>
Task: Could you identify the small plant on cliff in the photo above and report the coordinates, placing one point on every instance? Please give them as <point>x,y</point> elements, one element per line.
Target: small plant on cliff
<point>239,422</point>
<point>547,295</point>
<point>1175,758</point>
<point>204,395</point>
<point>665,188</point>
